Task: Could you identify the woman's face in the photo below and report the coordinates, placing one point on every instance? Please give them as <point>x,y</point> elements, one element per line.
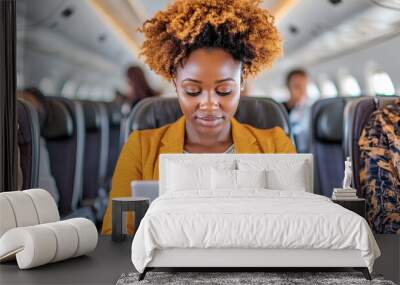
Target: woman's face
<point>208,87</point>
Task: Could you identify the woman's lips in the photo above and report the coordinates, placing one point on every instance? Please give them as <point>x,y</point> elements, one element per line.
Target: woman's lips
<point>209,121</point>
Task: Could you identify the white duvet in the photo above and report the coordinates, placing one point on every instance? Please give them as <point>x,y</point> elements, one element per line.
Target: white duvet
<point>250,219</point>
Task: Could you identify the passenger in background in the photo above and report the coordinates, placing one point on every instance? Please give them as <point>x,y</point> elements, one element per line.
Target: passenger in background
<point>380,169</point>
<point>139,88</point>
<point>36,98</point>
<point>296,82</point>
<point>298,108</point>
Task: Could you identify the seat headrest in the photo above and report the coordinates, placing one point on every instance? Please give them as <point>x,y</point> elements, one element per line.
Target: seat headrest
<point>114,114</point>
<point>59,123</point>
<point>329,122</point>
<point>155,112</point>
<point>261,113</point>
<point>92,116</point>
<point>383,101</point>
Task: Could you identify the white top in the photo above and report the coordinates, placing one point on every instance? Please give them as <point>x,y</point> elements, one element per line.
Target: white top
<point>230,149</point>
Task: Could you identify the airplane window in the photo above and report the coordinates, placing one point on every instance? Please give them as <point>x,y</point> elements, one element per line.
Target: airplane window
<point>313,91</point>
<point>83,92</point>
<point>48,86</point>
<point>328,89</point>
<point>96,93</point>
<point>280,93</point>
<point>382,84</point>
<point>69,89</point>
<point>107,94</point>
<point>350,86</point>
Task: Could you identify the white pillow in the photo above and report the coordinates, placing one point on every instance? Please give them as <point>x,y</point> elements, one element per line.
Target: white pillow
<point>183,177</point>
<point>251,178</point>
<point>292,178</point>
<point>237,179</point>
<point>282,174</point>
<point>223,179</point>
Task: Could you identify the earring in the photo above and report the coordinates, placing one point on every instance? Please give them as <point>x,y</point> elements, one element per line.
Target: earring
<point>176,88</point>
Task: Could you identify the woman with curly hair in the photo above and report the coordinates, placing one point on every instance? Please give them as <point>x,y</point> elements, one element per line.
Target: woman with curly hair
<point>206,48</point>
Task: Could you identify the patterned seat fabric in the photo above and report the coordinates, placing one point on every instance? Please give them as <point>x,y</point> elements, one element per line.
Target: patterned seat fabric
<point>374,143</point>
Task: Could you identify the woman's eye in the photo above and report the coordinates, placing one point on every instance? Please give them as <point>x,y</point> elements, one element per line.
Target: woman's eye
<point>224,92</point>
<point>192,93</point>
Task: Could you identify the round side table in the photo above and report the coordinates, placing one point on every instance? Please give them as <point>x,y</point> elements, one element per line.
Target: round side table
<point>139,205</point>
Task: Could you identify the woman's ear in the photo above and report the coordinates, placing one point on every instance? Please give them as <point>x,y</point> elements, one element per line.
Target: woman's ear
<point>242,83</point>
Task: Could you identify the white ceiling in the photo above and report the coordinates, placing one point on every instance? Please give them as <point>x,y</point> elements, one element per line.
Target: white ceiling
<point>312,18</point>
<point>84,27</point>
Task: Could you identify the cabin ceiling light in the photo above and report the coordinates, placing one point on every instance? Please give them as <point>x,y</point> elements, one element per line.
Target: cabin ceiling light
<point>335,2</point>
<point>282,7</point>
<point>102,38</point>
<point>293,29</point>
<point>68,12</point>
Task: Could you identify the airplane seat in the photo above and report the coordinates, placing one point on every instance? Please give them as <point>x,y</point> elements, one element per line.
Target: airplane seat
<point>95,155</point>
<point>326,143</point>
<point>258,112</point>
<point>115,119</point>
<point>65,139</point>
<point>28,135</point>
<point>357,114</point>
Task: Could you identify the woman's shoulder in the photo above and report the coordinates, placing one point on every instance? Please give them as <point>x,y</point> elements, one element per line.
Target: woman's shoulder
<point>273,139</point>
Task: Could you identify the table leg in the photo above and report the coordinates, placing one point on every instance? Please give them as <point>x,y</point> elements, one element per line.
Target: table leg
<point>117,212</point>
<point>140,211</point>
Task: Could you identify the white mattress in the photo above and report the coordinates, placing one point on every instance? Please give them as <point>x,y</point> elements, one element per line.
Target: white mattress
<point>253,219</point>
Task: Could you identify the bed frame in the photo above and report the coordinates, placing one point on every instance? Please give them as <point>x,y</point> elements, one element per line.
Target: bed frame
<point>250,259</point>
<point>259,259</point>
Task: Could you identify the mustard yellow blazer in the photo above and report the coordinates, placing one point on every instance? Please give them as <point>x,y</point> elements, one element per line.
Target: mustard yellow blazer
<point>138,159</point>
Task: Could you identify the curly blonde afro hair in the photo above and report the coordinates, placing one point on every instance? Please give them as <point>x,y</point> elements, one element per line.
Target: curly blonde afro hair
<point>240,27</point>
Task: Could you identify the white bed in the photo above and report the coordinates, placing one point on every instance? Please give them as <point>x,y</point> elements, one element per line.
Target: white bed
<point>199,226</point>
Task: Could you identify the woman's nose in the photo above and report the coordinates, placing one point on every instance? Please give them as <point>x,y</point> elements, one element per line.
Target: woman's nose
<point>209,101</point>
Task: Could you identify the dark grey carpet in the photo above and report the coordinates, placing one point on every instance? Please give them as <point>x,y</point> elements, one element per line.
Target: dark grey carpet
<point>228,278</point>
